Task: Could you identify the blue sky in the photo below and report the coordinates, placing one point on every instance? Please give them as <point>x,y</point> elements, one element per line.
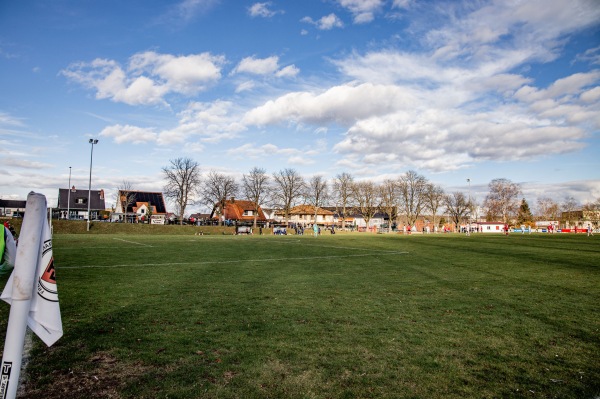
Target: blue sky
<point>451,89</point>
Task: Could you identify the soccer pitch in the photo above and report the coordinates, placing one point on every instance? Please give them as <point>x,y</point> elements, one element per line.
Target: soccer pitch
<point>357,315</point>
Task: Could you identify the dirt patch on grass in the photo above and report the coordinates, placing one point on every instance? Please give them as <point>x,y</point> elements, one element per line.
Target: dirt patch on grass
<point>105,380</point>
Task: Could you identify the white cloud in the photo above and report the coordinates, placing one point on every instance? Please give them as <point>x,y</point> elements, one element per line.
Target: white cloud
<point>264,67</point>
<point>262,10</point>
<point>258,66</point>
<point>194,148</point>
<point>288,71</point>
<point>182,74</point>
<point>590,55</point>
<point>363,10</point>
<point>342,104</point>
<point>210,122</point>
<point>444,140</point>
<point>291,155</point>
<point>245,86</point>
<point>592,95</point>
<point>329,22</point>
<point>532,28</point>
<point>326,22</point>
<point>25,164</point>
<point>186,10</point>
<point>200,122</point>
<point>129,134</point>
<point>402,3</point>
<point>8,120</point>
<point>149,77</point>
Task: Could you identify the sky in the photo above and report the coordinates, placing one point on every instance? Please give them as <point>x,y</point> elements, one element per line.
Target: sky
<point>453,90</point>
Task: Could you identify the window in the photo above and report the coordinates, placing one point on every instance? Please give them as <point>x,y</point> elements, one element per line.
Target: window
<point>248,213</point>
<point>81,200</point>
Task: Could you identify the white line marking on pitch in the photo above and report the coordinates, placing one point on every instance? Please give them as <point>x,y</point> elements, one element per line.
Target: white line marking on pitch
<point>237,261</point>
<point>133,242</point>
<point>304,244</point>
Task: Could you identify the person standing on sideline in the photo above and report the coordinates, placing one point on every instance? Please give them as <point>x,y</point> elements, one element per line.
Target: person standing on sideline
<point>589,230</point>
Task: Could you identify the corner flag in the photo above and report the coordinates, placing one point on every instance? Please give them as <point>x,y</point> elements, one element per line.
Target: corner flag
<point>31,291</point>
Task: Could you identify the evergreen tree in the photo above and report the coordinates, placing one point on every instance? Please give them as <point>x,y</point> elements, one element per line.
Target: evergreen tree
<point>524,217</point>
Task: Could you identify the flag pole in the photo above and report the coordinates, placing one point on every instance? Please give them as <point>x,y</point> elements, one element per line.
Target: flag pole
<point>26,262</point>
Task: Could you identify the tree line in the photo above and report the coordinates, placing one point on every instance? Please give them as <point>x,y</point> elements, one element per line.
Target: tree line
<point>409,196</point>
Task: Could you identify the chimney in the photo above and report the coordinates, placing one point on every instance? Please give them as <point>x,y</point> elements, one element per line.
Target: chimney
<point>101,194</point>
<point>73,189</point>
<point>232,200</point>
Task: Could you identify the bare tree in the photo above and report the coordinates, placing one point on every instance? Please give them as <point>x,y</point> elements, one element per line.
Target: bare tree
<point>434,198</point>
<point>568,208</point>
<point>546,209</point>
<point>316,192</point>
<point>457,206</point>
<point>342,185</point>
<point>503,199</point>
<point>217,188</point>
<point>183,180</point>
<point>256,185</point>
<point>411,190</point>
<point>125,197</point>
<point>366,198</point>
<point>288,187</point>
<point>388,193</point>
<point>591,206</point>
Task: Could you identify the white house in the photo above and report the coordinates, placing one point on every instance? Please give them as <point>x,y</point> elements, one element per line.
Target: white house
<point>378,220</point>
<point>490,227</point>
<point>305,214</point>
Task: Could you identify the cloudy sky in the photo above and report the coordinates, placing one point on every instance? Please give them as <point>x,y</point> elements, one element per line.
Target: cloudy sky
<point>454,90</point>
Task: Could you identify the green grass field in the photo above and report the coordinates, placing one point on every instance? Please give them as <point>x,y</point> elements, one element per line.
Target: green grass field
<point>343,316</point>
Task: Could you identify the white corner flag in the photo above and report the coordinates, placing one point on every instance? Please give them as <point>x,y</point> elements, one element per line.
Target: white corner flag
<point>31,291</point>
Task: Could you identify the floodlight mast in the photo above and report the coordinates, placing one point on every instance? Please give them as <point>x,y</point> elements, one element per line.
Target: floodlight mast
<point>69,197</point>
<point>92,142</point>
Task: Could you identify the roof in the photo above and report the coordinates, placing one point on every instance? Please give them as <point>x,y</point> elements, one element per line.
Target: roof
<point>155,199</point>
<point>234,210</point>
<point>13,204</point>
<point>96,196</point>
<point>309,210</point>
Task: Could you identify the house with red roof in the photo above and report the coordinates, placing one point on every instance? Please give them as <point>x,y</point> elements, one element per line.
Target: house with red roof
<point>240,212</point>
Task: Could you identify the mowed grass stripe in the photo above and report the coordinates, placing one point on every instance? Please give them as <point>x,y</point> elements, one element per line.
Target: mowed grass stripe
<point>287,259</point>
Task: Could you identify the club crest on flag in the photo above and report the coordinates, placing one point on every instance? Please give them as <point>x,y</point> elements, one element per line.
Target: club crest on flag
<point>46,285</point>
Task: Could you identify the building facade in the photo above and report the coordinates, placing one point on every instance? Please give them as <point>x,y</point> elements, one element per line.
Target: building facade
<point>73,204</point>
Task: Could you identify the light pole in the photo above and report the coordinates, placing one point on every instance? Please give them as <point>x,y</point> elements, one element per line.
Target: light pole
<point>92,142</point>
<point>69,196</point>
